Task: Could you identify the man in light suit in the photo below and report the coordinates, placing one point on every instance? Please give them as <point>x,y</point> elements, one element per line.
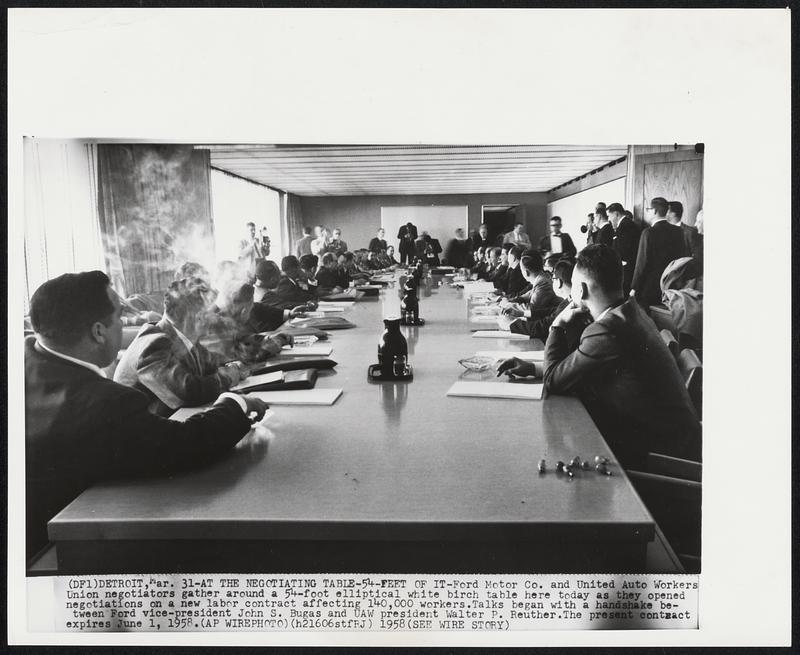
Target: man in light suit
<point>303,245</point>
<point>659,244</point>
<point>621,369</point>
<point>81,427</point>
<point>625,242</point>
<point>518,237</point>
<point>167,364</point>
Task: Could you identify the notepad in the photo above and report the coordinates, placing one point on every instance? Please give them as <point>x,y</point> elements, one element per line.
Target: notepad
<point>525,355</point>
<point>500,334</point>
<point>253,380</point>
<point>300,397</point>
<point>315,350</point>
<point>510,390</point>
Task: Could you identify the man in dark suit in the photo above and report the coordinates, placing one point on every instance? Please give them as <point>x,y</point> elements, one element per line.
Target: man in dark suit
<point>659,244</point>
<point>407,234</point>
<point>378,242</point>
<point>81,427</point>
<point>625,242</point>
<point>604,231</point>
<point>557,241</point>
<point>481,239</point>
<point>621,369</point>
<point>691,237</point>
<point>165,361</point>
<point>540,299</point>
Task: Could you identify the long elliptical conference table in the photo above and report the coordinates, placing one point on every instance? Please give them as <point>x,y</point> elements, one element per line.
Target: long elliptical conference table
<point>394,477</point>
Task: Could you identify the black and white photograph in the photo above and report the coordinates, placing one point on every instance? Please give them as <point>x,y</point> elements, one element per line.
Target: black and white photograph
<point>521,394</point>
<point>287,349</point>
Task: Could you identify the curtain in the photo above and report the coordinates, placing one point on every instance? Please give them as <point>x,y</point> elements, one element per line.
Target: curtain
<point>154,204</point>
<point>62,230</point>
<point>293,221</point>
<point>234,202</point>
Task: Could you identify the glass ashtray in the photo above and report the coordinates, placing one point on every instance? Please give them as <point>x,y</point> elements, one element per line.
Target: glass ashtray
<point>477,363</point>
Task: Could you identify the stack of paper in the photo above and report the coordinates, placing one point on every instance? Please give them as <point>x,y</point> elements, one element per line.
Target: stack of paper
<point>486,309</point>
<point>328,309</point>
<point>512,390</point>
<point>499,334</point>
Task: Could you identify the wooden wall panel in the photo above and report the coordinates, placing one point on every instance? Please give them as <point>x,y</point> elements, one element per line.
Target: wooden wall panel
<point>681,181</point>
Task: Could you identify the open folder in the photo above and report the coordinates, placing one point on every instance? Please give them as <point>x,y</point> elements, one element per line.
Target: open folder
<point>305,397</point>
<point>512,390</point>
<point>525,355</point>
<point>500,334</point>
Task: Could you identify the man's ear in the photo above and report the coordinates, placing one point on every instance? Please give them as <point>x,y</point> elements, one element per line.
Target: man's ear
<point>584,291</point>
<point>98,332</point>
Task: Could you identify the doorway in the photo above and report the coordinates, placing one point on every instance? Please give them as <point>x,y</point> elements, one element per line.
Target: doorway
<point>500,219</point>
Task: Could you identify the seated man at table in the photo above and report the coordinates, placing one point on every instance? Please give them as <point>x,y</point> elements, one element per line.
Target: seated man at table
<point>165,361</point>
<point>537,323</point>
<point>81,427</point>
<point>540,299</point>
<point>329,278</point>
<point>267,313</point>
<point>621,369</point>
<point>293,288</point>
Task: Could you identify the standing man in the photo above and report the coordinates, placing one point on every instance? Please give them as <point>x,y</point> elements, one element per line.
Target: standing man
<point>80,427</point>
<point>692,238</point>
<point>319,246</point>
<point>482,239</point>
<point>660,243</point>
<point>337,245</point>
<point>303,245</point>
<point>458,252</point>
<point>604,234</point>
<point>407,234</point>
<point>557,242</point>
<point>251,249</point>
<point>625,242</point>
<point>518,237</point>
<point>378,242</point>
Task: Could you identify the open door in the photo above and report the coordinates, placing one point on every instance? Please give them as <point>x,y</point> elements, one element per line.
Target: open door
<point>674,175</point>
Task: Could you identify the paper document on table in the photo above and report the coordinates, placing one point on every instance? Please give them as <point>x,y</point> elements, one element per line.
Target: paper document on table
<point>311,351</point>
<point>500,334</point>
<point>486,309</point>
<point>300,397</point>
<point>512,390</point>
<point>329,304</point>
<point>253,380</point>
<point>526,355</point>
<point>328,308</point>
<point>483,318</point>
<point>471,288</point>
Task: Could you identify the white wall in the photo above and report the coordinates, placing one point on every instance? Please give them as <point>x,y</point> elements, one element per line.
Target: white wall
<point>440,222</point>
<point>573,209</point>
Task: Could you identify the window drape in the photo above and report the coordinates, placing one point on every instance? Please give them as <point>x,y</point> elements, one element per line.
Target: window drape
<point>62,230</point>
<point>293,221</point>
<point>154,204</point>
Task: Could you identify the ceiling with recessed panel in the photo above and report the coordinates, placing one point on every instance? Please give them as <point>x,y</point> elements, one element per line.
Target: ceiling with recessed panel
<point>310,170</point>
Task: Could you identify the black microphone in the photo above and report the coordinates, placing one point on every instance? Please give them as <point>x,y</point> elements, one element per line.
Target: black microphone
<point>584,229</point>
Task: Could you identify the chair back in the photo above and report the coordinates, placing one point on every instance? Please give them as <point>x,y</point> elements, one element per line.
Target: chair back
<point>692,370</point>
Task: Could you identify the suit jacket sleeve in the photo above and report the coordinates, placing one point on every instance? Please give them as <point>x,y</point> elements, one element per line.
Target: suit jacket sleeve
<point>641,261</point>
<point>565,370</point>
<point>137,442</point>
<point>165,372</point>
<point>567,246</point>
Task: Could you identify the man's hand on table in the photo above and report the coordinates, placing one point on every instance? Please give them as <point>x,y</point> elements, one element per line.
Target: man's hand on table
<point>515,367</point>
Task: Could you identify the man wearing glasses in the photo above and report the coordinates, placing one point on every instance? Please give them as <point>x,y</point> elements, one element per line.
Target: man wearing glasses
<point>660,243</point>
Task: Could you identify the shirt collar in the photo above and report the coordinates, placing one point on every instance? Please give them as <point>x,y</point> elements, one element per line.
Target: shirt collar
<point>658,220</point>
<point>74,360</point>
<point>186,342</point>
